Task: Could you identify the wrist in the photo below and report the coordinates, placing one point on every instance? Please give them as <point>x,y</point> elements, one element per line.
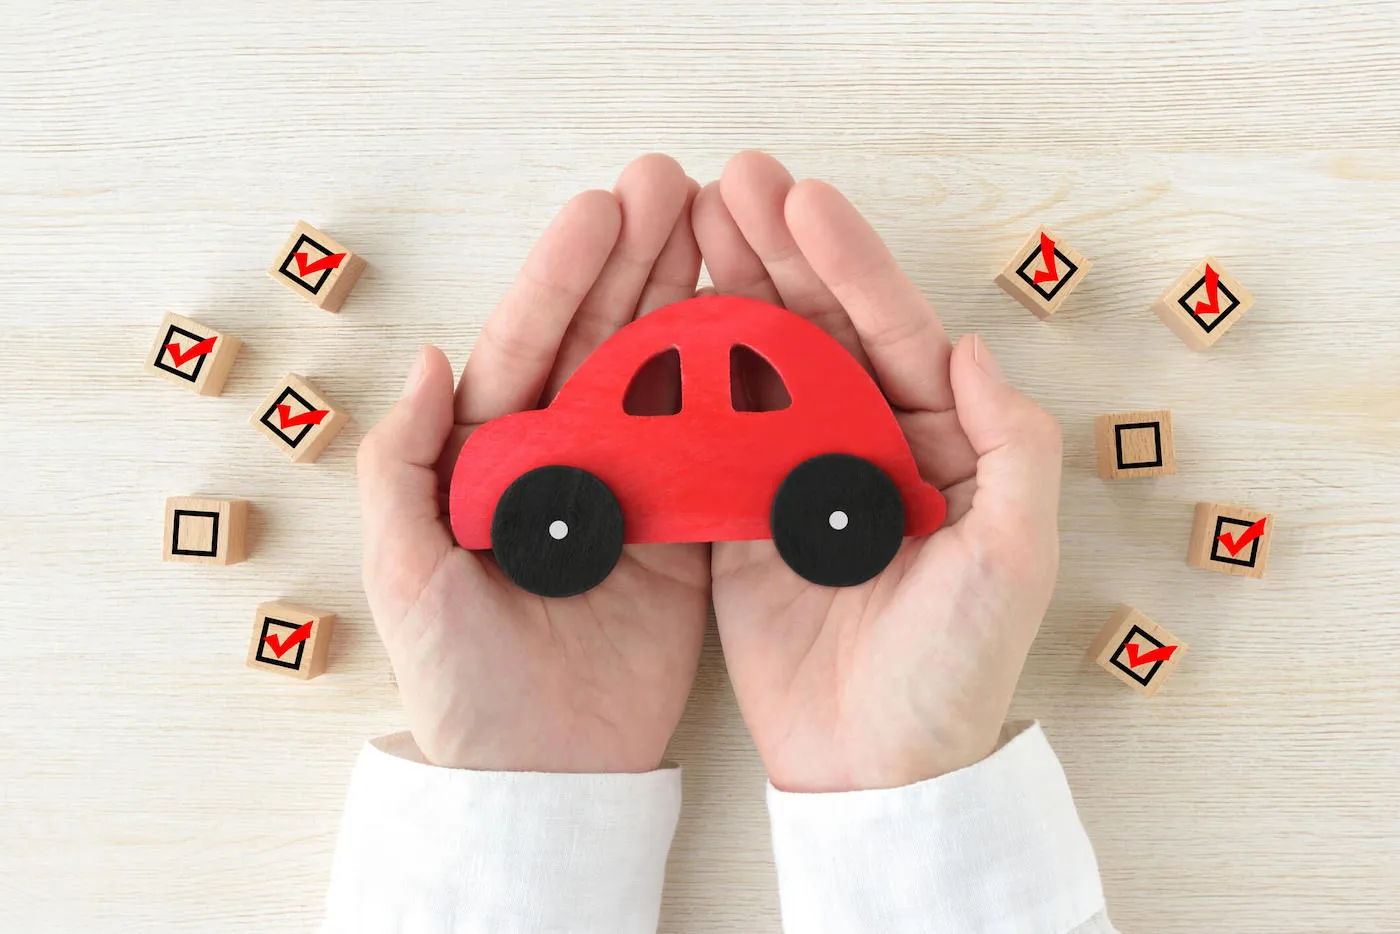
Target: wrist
<point>894,763</point>
<point>537,742</point>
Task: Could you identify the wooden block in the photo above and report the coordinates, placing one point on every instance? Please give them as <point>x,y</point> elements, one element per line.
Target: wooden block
<point>1043,272</point>
<point>1203,304</point>
<point>1230,539</point>
<point>290,640</point>
<point>192,355</point>
<point>1137,651</point>
<point>316,267</point>
<point>1135,444</point>
<point>299,419</point>
<point>205,531</point>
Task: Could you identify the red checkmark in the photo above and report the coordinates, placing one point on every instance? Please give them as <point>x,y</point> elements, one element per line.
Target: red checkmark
<point>1047,255</point>
<point>198,350</point>
<point>1137,657</point>
<point>326,262</point>
<point>1213,306</point>
<point>1235,545</point>
<point>284,415</point>
<point>297,636</point>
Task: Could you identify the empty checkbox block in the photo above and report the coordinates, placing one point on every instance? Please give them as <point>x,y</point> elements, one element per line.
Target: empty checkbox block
<point>192,355</point>
<point>1043,272</point>
<point>1135,444</point>
<point>312,265</point>
<point>199,530</point>
<point>299,419</point>
<point>1230,539</point>
<point>1137,651</point>
<point>1203,304</point>
<point>290,640</point>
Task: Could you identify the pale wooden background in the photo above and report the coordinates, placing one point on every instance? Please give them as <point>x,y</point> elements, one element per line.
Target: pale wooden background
<point>154,161</point>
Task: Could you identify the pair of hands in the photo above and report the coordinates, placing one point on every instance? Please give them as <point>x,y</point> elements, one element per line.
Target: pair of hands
<point>900,679</point>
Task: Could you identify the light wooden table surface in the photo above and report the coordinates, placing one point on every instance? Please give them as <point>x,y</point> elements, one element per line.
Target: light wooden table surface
<point>154,161</point>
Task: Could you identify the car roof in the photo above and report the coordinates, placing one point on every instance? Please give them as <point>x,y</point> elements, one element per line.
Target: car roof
<point>812,364</point>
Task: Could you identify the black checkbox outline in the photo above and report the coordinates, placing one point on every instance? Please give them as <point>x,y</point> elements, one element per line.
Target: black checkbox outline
<point>272,410</point>
<point>192,375</point>
<point>285,269</point>
<point>175,548</point>
<point>1065,274</point>
<point>1133,426</point>
<point>1221,289</point>
<point>1122,647</point>
<point>268,623</point>
<point>1228,558</point>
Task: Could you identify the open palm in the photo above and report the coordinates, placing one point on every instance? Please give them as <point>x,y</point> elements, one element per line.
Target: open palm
<point>909,675</point>
<point>493,677</point>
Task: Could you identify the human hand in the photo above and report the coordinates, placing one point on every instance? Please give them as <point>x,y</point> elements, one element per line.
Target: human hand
<point>493,677</point>
<point>910,675</point>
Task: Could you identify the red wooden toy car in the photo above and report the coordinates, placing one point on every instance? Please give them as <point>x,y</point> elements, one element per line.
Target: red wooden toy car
<point>556,492</point>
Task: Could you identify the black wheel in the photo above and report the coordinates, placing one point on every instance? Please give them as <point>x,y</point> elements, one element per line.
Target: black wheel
<point>837,520</point>
<point>557,531</point>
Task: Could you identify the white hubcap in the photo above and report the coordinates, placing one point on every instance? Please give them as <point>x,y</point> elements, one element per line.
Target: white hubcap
<point>558,529</point>
<point>838,520</point>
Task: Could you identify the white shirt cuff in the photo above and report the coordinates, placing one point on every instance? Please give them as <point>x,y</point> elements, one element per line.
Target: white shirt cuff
<point>994,847</point>
<point>428,849</point>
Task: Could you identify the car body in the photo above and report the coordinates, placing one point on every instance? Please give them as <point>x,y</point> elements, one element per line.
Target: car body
<point>708,473</point>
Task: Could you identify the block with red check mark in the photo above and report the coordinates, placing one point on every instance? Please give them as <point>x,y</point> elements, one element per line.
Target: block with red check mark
<point>299,419</point>
<point>1230,539</point>
<point>193,355</point>
<point>203,530</point>
<point>1137,651</point>
<point>1203,304</point>
<point>313,265</point>
<point>290,640</point>
<point>1042,273</point>
<point>1135,444</point>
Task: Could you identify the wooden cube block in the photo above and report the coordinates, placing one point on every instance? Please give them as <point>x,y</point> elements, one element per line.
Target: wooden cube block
<point>1043,272</point>
<point>299,419</point>
<point>193,355</point>
<point>1230,539</point>
<point>1137,651</point>
<point>1135,444</point>
<point>1203,304</point>
<point>313,265</point>
<point>290,640</point>
<point>205,531</point>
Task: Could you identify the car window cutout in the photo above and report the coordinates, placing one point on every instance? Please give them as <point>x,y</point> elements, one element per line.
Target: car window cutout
<point>655,389</point>
<point>754,383</point>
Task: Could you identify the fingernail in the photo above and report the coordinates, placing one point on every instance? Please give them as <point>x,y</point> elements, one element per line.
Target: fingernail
<point>415,373</point>
<point>982,356</point>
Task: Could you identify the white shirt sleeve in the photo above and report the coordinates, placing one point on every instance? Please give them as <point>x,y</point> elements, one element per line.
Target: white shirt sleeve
<point>428,849</point>
<point>995,847</point>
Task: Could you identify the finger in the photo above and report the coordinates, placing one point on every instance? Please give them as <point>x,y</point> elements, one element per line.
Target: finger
<point>517,346</point>
<point>396,475</point>
<point>940,448</point>
<point>734,267</point>
<point>1018,455</point>
<point>673,278</point>
<point>676,271</point>
<point>652,192</point>
<point>447,461</point>
<point>898,328</point>
<point>754,188</point>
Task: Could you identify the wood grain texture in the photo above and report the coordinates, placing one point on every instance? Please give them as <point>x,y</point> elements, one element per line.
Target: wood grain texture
<point>153,161</point>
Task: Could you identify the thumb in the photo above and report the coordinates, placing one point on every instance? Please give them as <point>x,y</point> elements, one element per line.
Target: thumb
<point>397,479</point>
<point>1018,454</point>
